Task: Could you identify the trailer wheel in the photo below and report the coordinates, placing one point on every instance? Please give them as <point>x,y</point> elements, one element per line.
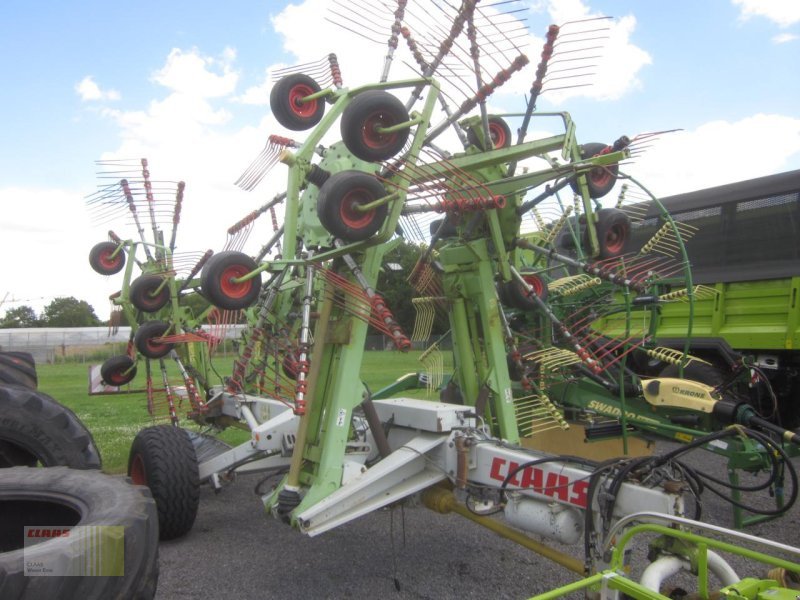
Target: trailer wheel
<point>613,229</point>
<point>18,368</point>
<point>146,338</point>
<point>163,458</point>
<point>218,285</point>
<point>145,294</point>
<point>499,133</point>
<point>339,201</point>
<point>118,370</point>
<point>35,429</point>
<point>103,259</point>
<point>285,100</point>
<point>61,497</point>
<point>364,117</point>
<point>600,180</point>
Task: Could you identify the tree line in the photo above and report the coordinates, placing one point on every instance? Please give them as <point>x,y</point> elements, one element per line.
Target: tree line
<point>61,312</point>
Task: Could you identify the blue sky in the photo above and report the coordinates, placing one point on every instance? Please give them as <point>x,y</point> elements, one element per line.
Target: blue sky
<point>185,84</point>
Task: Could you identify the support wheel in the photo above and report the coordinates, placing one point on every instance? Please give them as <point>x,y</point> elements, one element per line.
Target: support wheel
<point>149,293</point>
<point>600,180</point>
<point>163,458</point>
<point>146,339</point>
<point>712,374</point>
<point>286,103</point>
<point>499,133</point>
<point>103,259</point>
<point>613,229</point>
<point>218,280</point>
<point>339,201</point>
<point>363,120</point>
<point>118,370</point>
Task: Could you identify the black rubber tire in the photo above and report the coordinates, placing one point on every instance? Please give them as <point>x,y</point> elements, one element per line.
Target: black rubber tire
<point>118,370</point>
<point>145,337</point>
<point>102,261</point>
<point>18,368</point>
<point>613,229</point>
<point>215,280</point>
<point>499,132</point>
<point>163,458</point>
<point>366,112</point>
<point>33,425</point>
<point>600,180</point>
<point>710,374</point>
<point>283,100</point>
<point>513,295</point>
<point>450,229</point>
<point>62,497</point>
<point>143,296</point>
<point>337,201</point>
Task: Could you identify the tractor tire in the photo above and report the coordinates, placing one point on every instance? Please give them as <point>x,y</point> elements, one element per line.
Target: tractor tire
<point>103,260</point>
<point>146,336</point>
<point>18,368</point>
<point>62,497</point>
<point>499,133</point>
<point>163,458</point>
<point>284,100</point>
<point>35,429</point>
<point>118,370</point>
<point>600,180</point>
<point>338,202</point>
<point>148,294</point>
<point>217,283</point>
<point>368,112</point>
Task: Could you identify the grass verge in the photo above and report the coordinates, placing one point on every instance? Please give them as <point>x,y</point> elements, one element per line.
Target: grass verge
<point>115,419</point>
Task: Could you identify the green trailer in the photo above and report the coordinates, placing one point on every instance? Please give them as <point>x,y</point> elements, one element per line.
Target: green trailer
<point>744,323</point>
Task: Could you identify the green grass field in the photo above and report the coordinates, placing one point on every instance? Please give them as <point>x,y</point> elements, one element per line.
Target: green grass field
<point>115,419</point>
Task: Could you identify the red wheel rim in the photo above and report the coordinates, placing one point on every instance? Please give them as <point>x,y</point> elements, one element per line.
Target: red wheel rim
<point>118,377</point>
<point>232,289</point>
<point>349,213</point>
<point>498,135</point>
<point>154,346</point>
<point>299,108</point>
<point>615,238</point>
<point>369,132</point>
<point>107,260</point>
<point>137,474</point>
<point>535,283</point>
<point>600,176</point>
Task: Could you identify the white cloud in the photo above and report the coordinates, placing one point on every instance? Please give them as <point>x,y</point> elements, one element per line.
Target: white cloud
<point>88,90</point>
<point>719,152</point>
<point>193,74</point>
<point>783,38</point>
<point>615,60</point>
<point>781,12</point>
<point>257,95</point>
<point>49,232</point>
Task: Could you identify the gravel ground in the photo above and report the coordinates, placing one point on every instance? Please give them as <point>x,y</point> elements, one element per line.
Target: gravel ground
<point>237,551</point>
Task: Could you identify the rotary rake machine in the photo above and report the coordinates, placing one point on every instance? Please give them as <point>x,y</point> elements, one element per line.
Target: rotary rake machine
<point>521,272</point>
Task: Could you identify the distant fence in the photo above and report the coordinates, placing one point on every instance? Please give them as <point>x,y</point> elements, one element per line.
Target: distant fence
<point>85,344</point>
<point>78,344</point>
